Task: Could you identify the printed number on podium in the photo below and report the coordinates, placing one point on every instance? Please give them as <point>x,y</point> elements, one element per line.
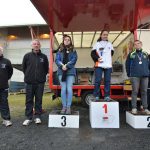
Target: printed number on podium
<point>105,108</point>
<point>148,119</point>
<point>105,117</point>
<point>64,121</point>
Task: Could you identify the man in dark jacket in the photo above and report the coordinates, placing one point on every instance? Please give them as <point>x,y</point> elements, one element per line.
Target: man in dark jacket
<point>6,72</point>
<point>35,68</point>
<point>137,67</point>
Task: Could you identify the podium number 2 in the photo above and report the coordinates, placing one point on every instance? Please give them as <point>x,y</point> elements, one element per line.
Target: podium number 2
<point>105,108</point>
<point>148,119</point>
<point>64,121</point>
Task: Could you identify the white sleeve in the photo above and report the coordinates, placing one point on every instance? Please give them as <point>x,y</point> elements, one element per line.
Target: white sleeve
<point>95,46</point>
<point>112,48</point>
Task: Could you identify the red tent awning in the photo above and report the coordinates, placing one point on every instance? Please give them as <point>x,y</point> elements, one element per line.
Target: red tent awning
<point>93,15</point>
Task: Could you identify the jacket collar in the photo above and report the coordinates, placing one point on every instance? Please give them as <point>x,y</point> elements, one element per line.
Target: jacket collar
<point>36,53</point>
<point>138,50</point>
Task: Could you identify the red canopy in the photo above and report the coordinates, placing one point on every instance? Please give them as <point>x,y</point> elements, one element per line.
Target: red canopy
<point>93,15</point>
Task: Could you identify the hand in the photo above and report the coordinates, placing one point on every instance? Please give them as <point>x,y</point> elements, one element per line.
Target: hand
<point>100,59</point>
<point>64,67</point>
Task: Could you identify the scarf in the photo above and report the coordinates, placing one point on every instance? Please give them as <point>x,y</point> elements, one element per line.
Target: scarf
<point>65,61</point>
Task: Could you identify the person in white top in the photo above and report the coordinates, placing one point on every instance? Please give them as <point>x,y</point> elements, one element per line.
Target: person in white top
<point>101,54</point>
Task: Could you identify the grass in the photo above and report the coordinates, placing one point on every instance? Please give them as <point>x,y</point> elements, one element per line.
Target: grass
<point>17,104</point>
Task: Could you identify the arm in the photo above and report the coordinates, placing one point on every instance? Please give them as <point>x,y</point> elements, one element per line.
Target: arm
<point>149,60</point>
<point>73,61</point>
<point>112,52</point>
<point>24,65</point>
<point>58,60</point>
<point>46,65</point>
<point>10,70</point>
<point>128,61</point>
<point>94,56</point>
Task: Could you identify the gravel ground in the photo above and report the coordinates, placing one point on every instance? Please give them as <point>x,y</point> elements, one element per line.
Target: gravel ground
<point>41,137</point>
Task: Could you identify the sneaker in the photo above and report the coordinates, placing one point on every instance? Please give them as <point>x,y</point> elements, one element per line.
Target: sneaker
<point>141,108</point>
<point>63,111</point>
<point>7,123</point>
<point>68,111</point>
<point>134,111</point>
<point>147,111</point>
<point>37,121</point>
<point>94,99</point>
<point>26,122</point>
<point>107,99</point>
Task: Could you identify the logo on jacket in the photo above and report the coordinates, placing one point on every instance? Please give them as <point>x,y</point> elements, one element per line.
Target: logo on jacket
<point>41,60</point>
<point>3,66</point>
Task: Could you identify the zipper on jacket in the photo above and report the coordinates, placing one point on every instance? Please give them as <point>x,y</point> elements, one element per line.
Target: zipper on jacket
<point>36,66</point>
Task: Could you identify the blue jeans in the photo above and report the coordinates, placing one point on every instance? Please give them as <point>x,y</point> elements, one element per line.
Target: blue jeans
<point>98,78</point>
<point>66,90</point>
<point>4,106</point>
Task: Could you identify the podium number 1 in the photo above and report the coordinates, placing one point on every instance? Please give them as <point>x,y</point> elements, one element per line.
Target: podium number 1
<point>64,121</point>
<point>105,108</point>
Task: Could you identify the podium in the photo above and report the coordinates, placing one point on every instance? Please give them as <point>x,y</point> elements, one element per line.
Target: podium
<point>138,121</point>
<point>104,114</point>
<point>63,121</point>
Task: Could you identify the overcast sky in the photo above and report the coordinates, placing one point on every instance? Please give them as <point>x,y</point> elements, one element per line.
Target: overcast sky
<point>19,12</point>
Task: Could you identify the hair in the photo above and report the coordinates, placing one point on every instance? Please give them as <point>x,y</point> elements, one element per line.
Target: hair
<point>37,40</point>
<point>100,38</point>
<point>138,41</point>
<point>70,47</point>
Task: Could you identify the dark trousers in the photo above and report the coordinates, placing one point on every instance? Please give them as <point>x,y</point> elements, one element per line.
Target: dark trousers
<point>4,107</point>
<point>142,84</point>
<point>34,91</point>
<point>98,77</point>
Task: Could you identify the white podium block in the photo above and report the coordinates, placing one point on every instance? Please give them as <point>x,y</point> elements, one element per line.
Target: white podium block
<point>138,121</point>
<point>63,121</point>
<point>104,114</point>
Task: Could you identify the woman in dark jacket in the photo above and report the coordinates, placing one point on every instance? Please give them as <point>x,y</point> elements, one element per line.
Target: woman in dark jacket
<point>66,58</point>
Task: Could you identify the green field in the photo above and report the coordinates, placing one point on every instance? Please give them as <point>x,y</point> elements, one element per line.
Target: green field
<point>17,104</point>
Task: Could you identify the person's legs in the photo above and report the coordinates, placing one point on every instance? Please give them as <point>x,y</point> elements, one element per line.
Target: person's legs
<point>148,94</point>
<point>70,81</point>
<point>98,78</point>
<point>135,88</point>
<point>148,98</point>
<point>4,106</point>
<point>39,88</point>
<point>143,89</point>
<point>107,79</point>
<point>63,95</point>
<point>29,101</point>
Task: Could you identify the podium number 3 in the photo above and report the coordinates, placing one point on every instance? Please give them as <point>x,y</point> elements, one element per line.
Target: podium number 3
<point>64,121</point>
<point>148,119</point>
<point>105,108</point>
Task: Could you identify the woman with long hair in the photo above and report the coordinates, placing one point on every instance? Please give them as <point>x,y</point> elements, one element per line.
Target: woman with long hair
<point>102,56</point>
<point>66,58</point>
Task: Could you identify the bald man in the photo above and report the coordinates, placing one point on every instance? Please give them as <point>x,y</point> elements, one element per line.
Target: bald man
<point>6,71</point>
<point>35,68</point>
